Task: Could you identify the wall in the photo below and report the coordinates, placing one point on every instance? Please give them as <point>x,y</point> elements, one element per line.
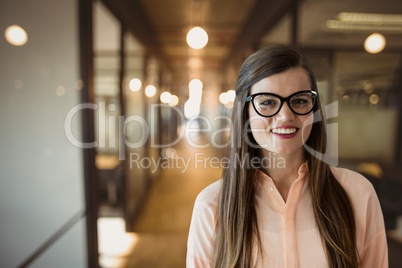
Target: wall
<point>41,172</point>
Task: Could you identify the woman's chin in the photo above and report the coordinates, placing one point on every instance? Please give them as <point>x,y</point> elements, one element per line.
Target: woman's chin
<point>283,150</point>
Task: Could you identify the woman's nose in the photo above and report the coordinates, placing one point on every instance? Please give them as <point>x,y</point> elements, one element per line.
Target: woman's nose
<point>285,113</point>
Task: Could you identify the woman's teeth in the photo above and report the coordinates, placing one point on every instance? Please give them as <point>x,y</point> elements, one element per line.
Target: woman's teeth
<point>284,130</point>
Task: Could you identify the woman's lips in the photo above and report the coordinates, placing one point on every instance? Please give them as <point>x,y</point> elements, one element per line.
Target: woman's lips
<point>284,132</point>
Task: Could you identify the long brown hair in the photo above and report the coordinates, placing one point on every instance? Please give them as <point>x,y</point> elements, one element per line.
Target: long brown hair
<point>237,232</point>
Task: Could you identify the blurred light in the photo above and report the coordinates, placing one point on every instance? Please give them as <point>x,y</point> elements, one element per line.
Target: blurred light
<point>196,95</point>
<point>344,25</point>
<point>114,242</point>
<point>368,87</point>
<point>223,98</point>
<point>227,98</point>
<point>174,100</point>
<point>135,84</point>
<point>374,99</point>
<point>169,152</point>
<point>112,262</point>
<point>112,107</point>
<point>195,90</point>
<point>79,84</point>
<point>197,38</point>
<point>15,35</point>
<point>60,91</point>
<point>366,21</point>
<point>375,43</point>
<point>165,97</point>
<point>150,91</point>
<point>370,17</point>
<point>195,84</point>
<point>191,109</point>
<point>231,95</point>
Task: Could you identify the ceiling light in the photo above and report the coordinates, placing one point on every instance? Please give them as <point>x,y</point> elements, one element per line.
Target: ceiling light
<point>231,95</point>
<point>174,100</point>
<point>374,99</point>
<point>197,38</point>
<point>195,84</point>
<point>165,97</point>
<point>191,109</point>
<point>227,97</point>
<point>15,35</point>
<point>371,17</point>
<point>195,90</point>
<point>345,25</point>
<point>366,22</point>
<point>150,91</point>
<point>223,98</point>
<point>135,84</point>
<point>375,43</point>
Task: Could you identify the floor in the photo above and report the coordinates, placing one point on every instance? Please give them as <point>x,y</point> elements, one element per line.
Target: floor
<point>161,232</point>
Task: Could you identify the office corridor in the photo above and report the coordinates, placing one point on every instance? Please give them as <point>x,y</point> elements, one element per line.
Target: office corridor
<point>162,228</point>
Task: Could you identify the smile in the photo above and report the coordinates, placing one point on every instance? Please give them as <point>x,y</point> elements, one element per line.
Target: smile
<point>284,130</point>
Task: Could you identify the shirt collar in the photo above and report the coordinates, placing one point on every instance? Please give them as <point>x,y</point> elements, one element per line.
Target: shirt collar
<point>302,172</point>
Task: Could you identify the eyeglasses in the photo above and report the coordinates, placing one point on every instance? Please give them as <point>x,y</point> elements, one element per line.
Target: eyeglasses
<point>269,104</point>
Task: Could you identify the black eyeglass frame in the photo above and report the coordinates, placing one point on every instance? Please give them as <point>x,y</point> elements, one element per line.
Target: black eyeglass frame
<point>282,99</point>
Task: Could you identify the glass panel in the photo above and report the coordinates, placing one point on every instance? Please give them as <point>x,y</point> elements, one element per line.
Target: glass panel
<point>137,128</point>
<point>106,80</point>
<point>363,87</point>
<point>41,170</point>
<point>69,251</point>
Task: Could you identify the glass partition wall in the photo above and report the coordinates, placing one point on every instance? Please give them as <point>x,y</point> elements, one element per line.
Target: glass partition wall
<point>125,126</point>
<point>138,179</point>
<point>46,213</point>
<point>107,59</point>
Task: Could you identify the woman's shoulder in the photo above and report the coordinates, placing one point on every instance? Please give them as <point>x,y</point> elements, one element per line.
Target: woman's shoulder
<point>209,196</point>
<point>370,230</point>
<point>353,182</point>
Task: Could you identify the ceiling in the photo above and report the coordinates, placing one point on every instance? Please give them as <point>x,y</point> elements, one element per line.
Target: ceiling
<point>237,27</point>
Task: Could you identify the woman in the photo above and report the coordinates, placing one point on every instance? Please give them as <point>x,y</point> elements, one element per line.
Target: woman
<point>290,209</point>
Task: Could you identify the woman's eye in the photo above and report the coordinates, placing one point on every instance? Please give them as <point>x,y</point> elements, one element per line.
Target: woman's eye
<point>300,101</point>
<point>267,103</point>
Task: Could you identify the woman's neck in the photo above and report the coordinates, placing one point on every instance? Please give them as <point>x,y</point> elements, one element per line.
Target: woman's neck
<point>285,170</point>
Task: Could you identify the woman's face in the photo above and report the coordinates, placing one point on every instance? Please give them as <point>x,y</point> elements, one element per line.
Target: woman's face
<point>285,132</point>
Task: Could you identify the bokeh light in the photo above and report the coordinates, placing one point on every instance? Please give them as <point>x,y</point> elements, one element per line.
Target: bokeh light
<point>16,35</point>
<point>375,43</point>
<point>165,97</point>
<point>174,100</point>
<point>135,84</point>
<point>150,91</point>
<point>197,38</point>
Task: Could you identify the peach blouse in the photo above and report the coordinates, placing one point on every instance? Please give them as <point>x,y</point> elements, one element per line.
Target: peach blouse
<point>289,234</point>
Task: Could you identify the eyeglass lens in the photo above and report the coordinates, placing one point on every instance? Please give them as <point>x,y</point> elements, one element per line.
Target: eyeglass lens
<point>268,105</point>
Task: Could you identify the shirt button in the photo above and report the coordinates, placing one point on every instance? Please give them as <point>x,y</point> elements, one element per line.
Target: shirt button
<point>271,189</point>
